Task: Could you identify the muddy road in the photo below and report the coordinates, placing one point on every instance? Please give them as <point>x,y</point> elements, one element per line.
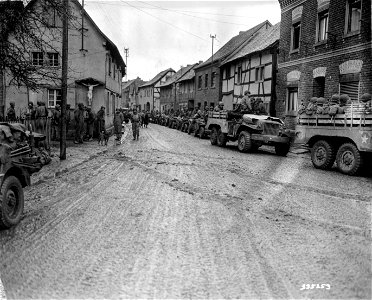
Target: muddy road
<point>170,216</point>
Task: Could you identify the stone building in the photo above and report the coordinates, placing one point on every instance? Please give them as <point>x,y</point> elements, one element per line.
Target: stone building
<point>252,67</point>
<point>169,90</point>
<point>207,74</point>
<point>325,48</point>
<point>95,68</point>
<point>149,92</point>
<point>129,95</point>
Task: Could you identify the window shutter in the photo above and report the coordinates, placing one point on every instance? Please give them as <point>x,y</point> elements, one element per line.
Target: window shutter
<point>350,89</point>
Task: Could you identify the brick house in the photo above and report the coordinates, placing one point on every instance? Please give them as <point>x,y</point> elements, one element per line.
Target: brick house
<point>149,92</point>
<point>169,90</point>
<point>186,89</point>
<point>207,74</point>
<point>325,48</point>
<point>252,67</point>
<point>129,95</point>
<point>94,61</point>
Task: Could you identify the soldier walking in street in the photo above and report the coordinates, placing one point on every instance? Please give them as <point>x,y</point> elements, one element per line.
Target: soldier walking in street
<point>118,124</point>
<point>11,113</point>
<point>90,118</point>
<point>56,123</point>
<point>79,123</point>
<point>135,124</point>
<point>101,119</point>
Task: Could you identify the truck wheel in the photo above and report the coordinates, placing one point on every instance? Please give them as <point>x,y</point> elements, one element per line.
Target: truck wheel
<point>201,132</point>
<point>11,202</point>
<point>213,137</point>
<point>323,155</point>
<point>185,127</point>
<point>189,129</point>
<point>196,131</point>
<point>221,138</point>
<point>282,149</point>
<point>244,141</point>
<point>349,159</point>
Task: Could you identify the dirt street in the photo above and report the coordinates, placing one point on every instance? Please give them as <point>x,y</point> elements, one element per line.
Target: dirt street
<point>170,216</point>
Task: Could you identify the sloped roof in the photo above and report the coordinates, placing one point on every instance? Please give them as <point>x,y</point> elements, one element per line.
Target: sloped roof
<point>234,43</point>
<point>263,40</point>
<point>110,45</point>
<point>127,83</point>
<point>178,75</point>
<point>157,77</point>
<point>189,75</point>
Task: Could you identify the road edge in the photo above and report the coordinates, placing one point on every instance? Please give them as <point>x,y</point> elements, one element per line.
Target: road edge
<point>2,291</point>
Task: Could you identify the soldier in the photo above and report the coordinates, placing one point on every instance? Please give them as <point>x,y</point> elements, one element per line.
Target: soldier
<point>56,123</point>
<point>41,115</point>
<point>79,123</point>
<point>118,124</point>
<point>219,107</point>
<point>30,116</point>
<point>90,123</point>
<point>101,119</point>
<point>11,114</point>
<point>135,124</point>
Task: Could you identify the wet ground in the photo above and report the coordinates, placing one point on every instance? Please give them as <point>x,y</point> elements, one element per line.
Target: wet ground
<point>170,216</point>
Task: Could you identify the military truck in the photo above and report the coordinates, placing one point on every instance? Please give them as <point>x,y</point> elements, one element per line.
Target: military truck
<point>250,130</point>
<point>345,138</point>
<point>20,156</point>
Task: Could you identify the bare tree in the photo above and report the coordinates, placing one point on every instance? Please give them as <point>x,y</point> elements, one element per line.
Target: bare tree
<point>37,26</point>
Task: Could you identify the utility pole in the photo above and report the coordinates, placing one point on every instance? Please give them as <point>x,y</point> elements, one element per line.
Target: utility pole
<point>62,153</point>
<point>212,37</point>
<point>126,50</point>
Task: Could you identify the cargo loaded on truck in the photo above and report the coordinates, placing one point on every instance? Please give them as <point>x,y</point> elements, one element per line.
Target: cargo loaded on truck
<point>344,136</point>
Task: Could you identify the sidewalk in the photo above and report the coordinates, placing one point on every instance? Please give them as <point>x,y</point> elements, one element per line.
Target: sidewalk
<point>76,154</point>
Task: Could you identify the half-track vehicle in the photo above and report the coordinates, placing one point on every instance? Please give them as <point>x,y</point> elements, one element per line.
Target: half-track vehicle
<point>250,130</point>
<point>345,138</point>
<point>21,154</point>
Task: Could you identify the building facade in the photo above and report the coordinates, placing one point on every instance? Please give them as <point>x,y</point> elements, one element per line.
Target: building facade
<point>95,68</point>
<point>208,90</point>
<point>252,67</point>
<point>149,93</point>
<point>170,90</point>
<point>186,90</point>
<point>130,94</point>
<point>324,49</point>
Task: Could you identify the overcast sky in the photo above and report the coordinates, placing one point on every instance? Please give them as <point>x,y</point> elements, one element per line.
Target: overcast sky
<point>168,34</point>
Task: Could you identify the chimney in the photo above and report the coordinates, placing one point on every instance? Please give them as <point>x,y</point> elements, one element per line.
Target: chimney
<point>200,62</point>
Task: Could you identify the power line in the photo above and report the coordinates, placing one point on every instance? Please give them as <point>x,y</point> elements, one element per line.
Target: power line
<point>161,20</point>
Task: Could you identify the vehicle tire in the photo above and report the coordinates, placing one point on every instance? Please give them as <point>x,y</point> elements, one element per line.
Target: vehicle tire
<point>244,142</point>
<point>349,160</point>
<point>221,138</point>
<point>185,127</point>
<point>282,149</point>
<point>196,131</point>
<point>213,137</point>
<point>201,132</point>
<point>11,202</point>
<point>189,129</point>
<point>323,155</point>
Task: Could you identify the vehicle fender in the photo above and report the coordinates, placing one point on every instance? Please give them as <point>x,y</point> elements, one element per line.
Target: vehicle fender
<point>20,173</point>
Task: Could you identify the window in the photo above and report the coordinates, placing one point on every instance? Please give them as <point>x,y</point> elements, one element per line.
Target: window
<point>200,82</point>
<point>53,59</point>
<point>318,87</point>
<point>114,71</point>
<point>109,66</point>
<point>228,73</point>
<point>322,33</point>
<point>292,99</point>
<point>213,79</point>
<point>350,88</point>
<point>260,73</point>
<point>296,30</point>
<point>113,103</point>
<point>108,104</point>
<point>54,97</point>
<point>353,15</point>
<point>206,81</point>
<point>53,20</point>
<point>37,58</point>
<point>239,75</point>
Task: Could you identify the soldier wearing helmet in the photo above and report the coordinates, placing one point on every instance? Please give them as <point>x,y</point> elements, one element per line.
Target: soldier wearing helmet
<point>219,107</point>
